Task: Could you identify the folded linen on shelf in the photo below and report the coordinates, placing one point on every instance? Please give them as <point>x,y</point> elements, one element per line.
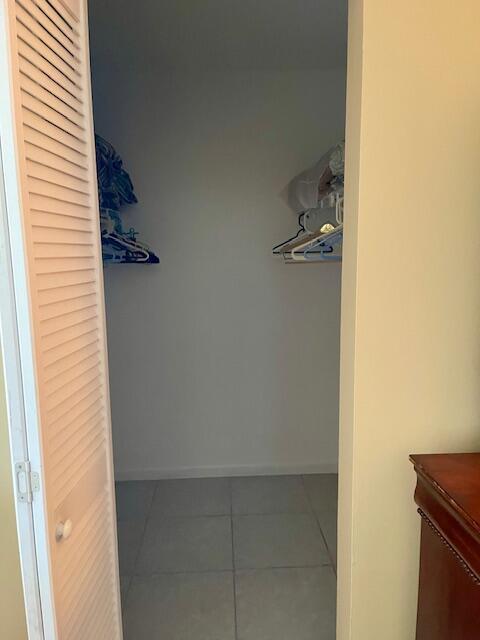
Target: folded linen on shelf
<point>310,187</point>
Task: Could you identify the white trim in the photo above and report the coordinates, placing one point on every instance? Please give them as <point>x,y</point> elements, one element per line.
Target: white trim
<point>15,195</point>
<point>16,424</point>
<point>15,329</point>
<point>226,470</point>
<point>18,332</point>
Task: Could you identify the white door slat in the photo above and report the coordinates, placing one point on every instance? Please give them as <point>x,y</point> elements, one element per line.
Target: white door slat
<point>81,564</point>
<point>44,126</point>
<point>71,460</point>
<point>39,77</point>
<point>44,225</point>
<point>77,592</point>
<point>60,401</point>
<point>80,536</point>
<point>62,207</point>
<point>45,158</point>
<point>64,307</point>
<point>27,54</point>
<point>59,266</point>
<point>55,398</point>
<point>78,466</point>
<point>90,583</point>
<point>62,295</point>
<point>28,31</point>
<point>50,250</point>
<point>70,19</point>
<point>60,235</point>
<point>68,347</point>
<point>63,60</point>
<point>58,247</point>
<point>87,405</point>
<point>99,607</point>
<point>71,157</point>
<point>74,373</point>
<point>59,22</point>
<point>55,118</point>
<point>82,396</point>
<point>50,27</point>
<point>106,613</point>
<point>64,336</point>
<point>67,333</point>
<point>59,196</point>
<point>67,433</point>
<point>53,326</point>
<point>37,92</point>
<point>62,251</point>
<point>77,435</point>
<point>83,528</point>
<point>81,364</point>
<point>54,374</point>
<point>65,403</point>
<point>55,177</point>
<point>64,342</point>
<point>77,417</point>
<point>59,193</point>
<point>92,481</point>
<point>55,281</point>
<point>81,441</point>
<point>43,221</point>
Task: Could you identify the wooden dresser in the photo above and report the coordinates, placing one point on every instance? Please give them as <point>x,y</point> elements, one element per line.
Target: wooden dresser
<point>448,499</point>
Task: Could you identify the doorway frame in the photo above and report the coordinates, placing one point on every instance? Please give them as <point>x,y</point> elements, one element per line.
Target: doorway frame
<point>16,419</point>
<point>17,348</point>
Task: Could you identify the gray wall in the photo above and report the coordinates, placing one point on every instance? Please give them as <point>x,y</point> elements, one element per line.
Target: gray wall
<point>222,359</point>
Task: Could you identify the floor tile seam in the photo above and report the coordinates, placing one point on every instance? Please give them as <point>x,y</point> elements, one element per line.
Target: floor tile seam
<point>194,516</point>
<point>235,617</point>
<point>327,546</point>
<point>286,566</point>
<point>142,539</point>
<point>236,570</point>
<point>181,572</point>
<point>273,513</point>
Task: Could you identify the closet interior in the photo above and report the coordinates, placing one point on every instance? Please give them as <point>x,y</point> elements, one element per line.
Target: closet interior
<point>220,132</point>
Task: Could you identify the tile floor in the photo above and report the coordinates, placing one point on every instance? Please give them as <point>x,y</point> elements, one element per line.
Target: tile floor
<point>228,558</point>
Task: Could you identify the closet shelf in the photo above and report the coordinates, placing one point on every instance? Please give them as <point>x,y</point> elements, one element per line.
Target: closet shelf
<point>317,245</point>
<point>312,247</point>
<point>316,195</point>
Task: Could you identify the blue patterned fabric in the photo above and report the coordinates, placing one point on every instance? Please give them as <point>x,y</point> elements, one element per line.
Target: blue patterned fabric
<point>115,189</point>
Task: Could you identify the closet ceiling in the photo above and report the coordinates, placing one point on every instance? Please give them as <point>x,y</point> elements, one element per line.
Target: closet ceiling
<point>219,34</point>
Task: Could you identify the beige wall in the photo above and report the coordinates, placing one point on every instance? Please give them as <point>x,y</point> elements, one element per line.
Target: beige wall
<point>12,613</point>
<point>410,377</point>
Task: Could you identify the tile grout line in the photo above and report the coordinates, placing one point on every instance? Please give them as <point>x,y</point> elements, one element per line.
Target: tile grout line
<point>140,545</point>
<point>195,516</point>
<point>150,515</point>
<point>332,563</point>
<point>233,562</point>
<point>182,572</point>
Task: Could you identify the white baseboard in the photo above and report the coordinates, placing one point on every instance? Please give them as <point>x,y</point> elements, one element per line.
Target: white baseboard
<point>224,471</point>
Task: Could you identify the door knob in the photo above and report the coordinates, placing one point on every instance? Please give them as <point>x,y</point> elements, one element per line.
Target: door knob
<point>63,530</point>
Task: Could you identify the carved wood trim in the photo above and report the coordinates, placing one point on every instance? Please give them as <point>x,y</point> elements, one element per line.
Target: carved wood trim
<point>445,542</point>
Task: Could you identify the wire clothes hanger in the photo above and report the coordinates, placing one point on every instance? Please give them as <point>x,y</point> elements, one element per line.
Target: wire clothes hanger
<point>318,249</point>
<point>317,246</point>
<point>277,249</point>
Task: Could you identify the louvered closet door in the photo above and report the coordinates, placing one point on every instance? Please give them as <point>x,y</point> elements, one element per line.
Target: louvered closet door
<point>74,513</point>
